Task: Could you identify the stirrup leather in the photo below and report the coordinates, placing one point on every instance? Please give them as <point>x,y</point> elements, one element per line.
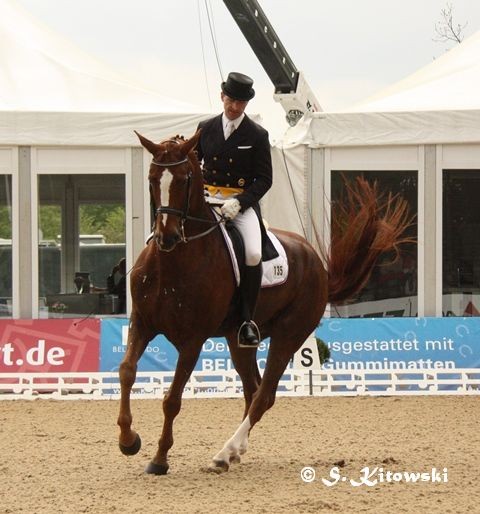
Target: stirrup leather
<point>240,339</point>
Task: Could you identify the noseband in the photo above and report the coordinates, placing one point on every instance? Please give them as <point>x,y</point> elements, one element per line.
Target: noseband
<point>183,213</point>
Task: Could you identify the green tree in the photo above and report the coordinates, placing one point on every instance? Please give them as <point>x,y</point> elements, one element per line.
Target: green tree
<point>108,220</point>
<point>115,226</point>
<point>50,221</point>
<point>5,222</point>
<point>323,350</point>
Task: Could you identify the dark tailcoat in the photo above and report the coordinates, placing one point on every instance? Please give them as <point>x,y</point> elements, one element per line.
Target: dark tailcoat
<point>242,161</point>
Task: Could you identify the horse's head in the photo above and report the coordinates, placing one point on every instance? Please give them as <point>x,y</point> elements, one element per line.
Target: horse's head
<point>171,180</point>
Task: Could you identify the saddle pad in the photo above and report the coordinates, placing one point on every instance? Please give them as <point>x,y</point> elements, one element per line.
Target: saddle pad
<point>275,271</point>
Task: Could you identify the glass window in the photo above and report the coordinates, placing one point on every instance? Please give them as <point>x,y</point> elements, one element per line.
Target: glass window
<point>392,288</point>
<point>81,245</point>
<point>461,243</point>
<point>5,246</point>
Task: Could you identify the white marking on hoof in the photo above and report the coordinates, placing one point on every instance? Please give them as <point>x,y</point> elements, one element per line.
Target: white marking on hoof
<point>235,446</point>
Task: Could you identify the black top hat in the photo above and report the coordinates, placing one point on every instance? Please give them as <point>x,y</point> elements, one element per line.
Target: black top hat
<point>238,86</point>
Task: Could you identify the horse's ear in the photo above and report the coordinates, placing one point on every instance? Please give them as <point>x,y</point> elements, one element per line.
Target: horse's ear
<point>147,144</point>
<point>191,143</point>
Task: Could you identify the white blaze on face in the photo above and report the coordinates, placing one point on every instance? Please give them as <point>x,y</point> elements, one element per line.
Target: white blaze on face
<point>165,182</point>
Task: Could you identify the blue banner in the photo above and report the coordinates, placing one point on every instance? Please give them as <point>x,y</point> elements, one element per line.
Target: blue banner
<point>160,354</point>
<point>355,343</point>
<point>401,343</point>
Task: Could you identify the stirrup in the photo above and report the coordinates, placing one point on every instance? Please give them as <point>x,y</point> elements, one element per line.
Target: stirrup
<point>241,342</point>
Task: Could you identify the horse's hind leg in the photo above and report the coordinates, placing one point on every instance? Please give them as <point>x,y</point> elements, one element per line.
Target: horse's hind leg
<point>171,406</point>
<point>245,362</point>
<point>129,441</point>
<point>281,351</point>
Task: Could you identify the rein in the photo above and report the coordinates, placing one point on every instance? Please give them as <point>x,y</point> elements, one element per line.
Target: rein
<point>183,213</point>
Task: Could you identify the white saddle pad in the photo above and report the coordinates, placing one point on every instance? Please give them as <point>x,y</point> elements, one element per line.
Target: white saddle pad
<point>275,271</point>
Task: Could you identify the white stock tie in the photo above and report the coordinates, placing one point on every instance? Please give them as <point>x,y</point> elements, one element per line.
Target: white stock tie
<point>229,129</point>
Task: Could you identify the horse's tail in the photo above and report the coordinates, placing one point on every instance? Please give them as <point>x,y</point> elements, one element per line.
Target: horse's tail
<point>365,224</point>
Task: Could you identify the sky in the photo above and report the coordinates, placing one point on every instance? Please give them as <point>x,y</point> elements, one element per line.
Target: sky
<point>347,49</point>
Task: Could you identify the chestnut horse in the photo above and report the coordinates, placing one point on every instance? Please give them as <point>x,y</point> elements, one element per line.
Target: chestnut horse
<point>182,286</point>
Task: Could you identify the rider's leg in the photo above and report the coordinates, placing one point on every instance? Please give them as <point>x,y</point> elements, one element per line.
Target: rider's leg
<point>248,225</point>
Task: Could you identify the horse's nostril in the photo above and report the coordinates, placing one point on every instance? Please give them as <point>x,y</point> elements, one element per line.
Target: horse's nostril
<point>169,241</point>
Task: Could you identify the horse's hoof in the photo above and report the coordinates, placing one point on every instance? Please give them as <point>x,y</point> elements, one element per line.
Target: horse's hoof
<point>156,469</point>
<point>133,449</point>
<point>219,466</point>
<point>235,459</point>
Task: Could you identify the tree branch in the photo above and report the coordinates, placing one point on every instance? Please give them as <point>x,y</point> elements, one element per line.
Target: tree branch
<point>446,30</point>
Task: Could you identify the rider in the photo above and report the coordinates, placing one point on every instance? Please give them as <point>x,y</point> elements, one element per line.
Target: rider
<point>237,168</point>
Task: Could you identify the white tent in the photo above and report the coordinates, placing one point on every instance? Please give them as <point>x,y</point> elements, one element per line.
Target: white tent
<point>428,123</point>
<point>53,93</point>
<point>437,104</point>
<point>450,82</point>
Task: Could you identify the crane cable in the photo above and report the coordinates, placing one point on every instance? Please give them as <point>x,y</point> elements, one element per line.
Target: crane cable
<point>203,55</point>
<point>211,24</point>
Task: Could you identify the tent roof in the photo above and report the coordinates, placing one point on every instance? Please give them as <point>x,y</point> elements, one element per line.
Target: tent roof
<point>42,71</point>
<point>437,104</point>
<point>50,89</point>
<point>450,82</point>
<point>372,128</point>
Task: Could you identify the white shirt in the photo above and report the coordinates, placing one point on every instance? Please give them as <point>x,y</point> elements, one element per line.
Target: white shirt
<point>236,122</point>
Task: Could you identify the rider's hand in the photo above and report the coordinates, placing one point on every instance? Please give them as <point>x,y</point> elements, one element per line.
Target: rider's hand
<point>230,208</point>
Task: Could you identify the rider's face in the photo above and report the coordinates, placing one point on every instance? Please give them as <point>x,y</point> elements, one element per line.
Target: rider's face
<point>233,108</point>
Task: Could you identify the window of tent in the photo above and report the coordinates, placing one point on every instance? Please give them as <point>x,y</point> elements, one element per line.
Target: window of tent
<point>82,235</point>
<point>461,243</point>
<point>5,246</point>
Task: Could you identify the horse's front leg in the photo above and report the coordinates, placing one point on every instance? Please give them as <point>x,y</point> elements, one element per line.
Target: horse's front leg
<point>172,403</point>
<point>129,441</point>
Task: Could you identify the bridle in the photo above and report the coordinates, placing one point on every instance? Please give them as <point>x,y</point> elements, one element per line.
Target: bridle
<point>183,213</point>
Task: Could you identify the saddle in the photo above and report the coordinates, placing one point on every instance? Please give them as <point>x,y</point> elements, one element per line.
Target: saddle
<point>274,258</point>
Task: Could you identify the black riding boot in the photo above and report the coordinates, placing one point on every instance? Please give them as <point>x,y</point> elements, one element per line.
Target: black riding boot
<point>250,282</point>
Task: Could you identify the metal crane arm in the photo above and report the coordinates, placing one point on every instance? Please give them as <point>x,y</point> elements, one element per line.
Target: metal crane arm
<point>291,89</point>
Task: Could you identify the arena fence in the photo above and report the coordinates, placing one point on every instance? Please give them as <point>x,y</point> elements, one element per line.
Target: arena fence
<point>227,384</point>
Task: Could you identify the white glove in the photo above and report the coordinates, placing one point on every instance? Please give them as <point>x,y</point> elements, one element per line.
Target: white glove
<point>230,208</point>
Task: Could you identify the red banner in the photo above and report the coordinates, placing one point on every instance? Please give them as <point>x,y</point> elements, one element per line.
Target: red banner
<point>46,345</point>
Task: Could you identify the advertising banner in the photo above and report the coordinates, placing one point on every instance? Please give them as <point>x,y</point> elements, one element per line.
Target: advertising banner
<point>401,343</point>
<point>372,344</point>
<point>49,345</point>
<point>160,355</point>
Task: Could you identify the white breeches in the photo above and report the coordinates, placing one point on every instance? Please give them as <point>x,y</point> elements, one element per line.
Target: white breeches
<point>249,227</point>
